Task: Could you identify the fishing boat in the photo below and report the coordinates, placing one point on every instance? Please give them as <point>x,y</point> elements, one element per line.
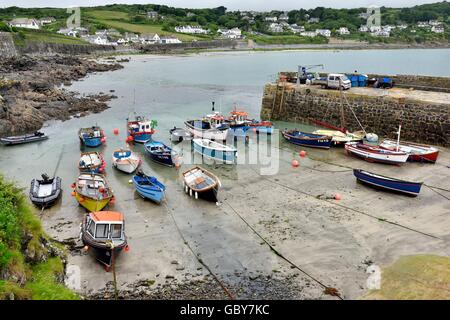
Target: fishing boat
<point>216,120</point>
<point>387,183</point>
<point>149,187</point>
<point>375,154</point>
<point>339,137</point>
<point>125,160</point>
<point>92,191</point>
<point>46,191</point>
<point>140,129</point>
<point>161,153</point>
<point>240,124</point>
<point>215,150</point>
<point>179,134</point>
<point>104,231</point>
<point>204,129</point>
<point>91,162</point>
<point>261,126</point>
<point>26,138</point>
<point>307,139</point>
<point>92,137</point>
<point>201,183</point>
<point>416,152</point>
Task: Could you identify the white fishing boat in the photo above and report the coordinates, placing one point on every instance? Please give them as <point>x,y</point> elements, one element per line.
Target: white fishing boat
<point>204,129</point>
<point>375,154</point>
<point>215,150</point>
<point>125,160</point>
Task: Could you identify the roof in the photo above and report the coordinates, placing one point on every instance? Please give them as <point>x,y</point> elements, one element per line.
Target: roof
<point>106,216</point>
<point>22,21</point>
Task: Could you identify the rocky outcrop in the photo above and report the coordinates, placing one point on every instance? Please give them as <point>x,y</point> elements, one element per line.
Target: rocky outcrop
<point>7,48</point>
<point>30,94</point>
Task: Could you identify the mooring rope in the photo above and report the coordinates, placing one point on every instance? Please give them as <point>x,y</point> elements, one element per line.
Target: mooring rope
<point>347,208</point>
<point>216,278</point>
<point>328,290</point>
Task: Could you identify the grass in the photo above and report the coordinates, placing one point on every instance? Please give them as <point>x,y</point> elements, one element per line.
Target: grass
<point>24,36</point>
<point>287,39</point>
<point>108,15</point>
<point>417,277</point>
<point>19,226</point>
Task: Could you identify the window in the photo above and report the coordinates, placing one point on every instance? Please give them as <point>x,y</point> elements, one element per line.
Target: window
<point>116,231</point>
<point>331,78</point>
<point>91,227</point>
<point>102,231</point>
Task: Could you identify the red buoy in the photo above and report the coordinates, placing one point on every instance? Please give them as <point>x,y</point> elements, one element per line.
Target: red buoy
<point>302,153</point>
<point>116,131</point>
<point>337,196</point>
<point>295,163</point>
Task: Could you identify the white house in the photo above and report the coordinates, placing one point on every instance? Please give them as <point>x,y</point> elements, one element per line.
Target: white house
<point>434,23</point>
<point>323,32</point>
<point>46,20</point>
<point>438,29</point>
<point>314,20</point>
<point>25,23</point>
<point>96,39</point>
<point>68,32</point>
<point>150,38</point>
<point>343,31</point>
<point>131,37</point>
<point>191,29</point>
<point>169,40</point>
<point>283,17</point>
<point>152,15</point>
<point>381,33</point>
<point>423,24</point>
<point>234,33</point>
<point>81,31</point>
<point>296,29</point>
<point>275,27</point>
<point>402,26</point>
<point>271,19</point>
<point>364,28</point>
<point>190,14</point>
<point>308,34</point>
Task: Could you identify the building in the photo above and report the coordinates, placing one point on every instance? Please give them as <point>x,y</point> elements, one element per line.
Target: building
<point>283,17</point>
<point>381,33</point>
<point>434,23</point>
<point>313,20</point>
<point>191,29</point>
<point>190,14</point>
<point>234,33</point>
<point>46,20</point>
<point>343,31</point>
<point>169,40</point>
<point>271,19</point>
<point>97,39</point>
<point>363,29</point>
<point>150,38</point>
<point>308,34</point>
<point>276,28</point>
<point>25,23</point>
<point>131,37</point>
<point>438,29</point>
<point>113,33</point>
<point>402,26</point>
<point>323,32</point>
<point>423,24</point>
<point>68,32</point>
<point>296,29</point>
<point>152,15</point>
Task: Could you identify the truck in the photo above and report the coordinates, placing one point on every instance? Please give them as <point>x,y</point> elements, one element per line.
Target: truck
<point>333,81</point>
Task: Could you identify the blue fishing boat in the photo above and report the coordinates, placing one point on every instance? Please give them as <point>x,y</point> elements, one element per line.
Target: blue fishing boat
<point>140,129</point>
<point>387,183</point>
<point>92,137</point>
<point>215,151</point>
<point>149,187</point>
<point>307,139</point>
<point>161,153</point>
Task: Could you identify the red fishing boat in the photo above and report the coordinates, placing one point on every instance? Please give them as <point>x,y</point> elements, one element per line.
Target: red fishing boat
<point>417,152</point>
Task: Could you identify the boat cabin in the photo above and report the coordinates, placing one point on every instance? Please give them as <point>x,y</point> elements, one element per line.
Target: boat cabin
<point>122,154</point>
<point>140,125</point>
<point>215,119</point>
<point>93,186</point>
<point>106,225</point>
<point>239,117</point>
<point>93,132</point>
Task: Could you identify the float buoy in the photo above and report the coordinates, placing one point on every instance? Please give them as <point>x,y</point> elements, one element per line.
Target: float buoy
<point>294,163</point>
<point>337,196</point>
<point>116,131</point>
<point>302,153</point>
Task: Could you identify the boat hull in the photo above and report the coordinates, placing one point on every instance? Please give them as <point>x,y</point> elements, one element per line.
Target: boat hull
<point>165,160</point>
<point>211,134</point>
<point>12,141</point>
<point>49,199</point>
<point>417,152</point>
<point>91,205</point>
<point>142,138</point>
<point>323,142</point>
<point>388,184</point>
<point>127,166</point>
<point>153,193</point>
<point>227,157</point>
<point>103,254</point>
<point>373,156</point>
<point>91,142</point>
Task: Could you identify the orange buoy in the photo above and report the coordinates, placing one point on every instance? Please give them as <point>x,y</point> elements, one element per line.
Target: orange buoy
<point>103,140</point>
<point>295,163</point>
<point>302,153</point>
<point>127,248</point>
<point>116,131</point>
<point>81,199</point>
<point>337,196</point>
<point>73,193</point>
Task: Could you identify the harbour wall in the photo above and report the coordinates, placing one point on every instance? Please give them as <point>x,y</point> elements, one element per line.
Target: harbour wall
<point>422,121</point>
<point>194,45</point>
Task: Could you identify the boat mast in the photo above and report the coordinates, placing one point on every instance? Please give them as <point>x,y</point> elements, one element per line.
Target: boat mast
<point>398,136</point>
